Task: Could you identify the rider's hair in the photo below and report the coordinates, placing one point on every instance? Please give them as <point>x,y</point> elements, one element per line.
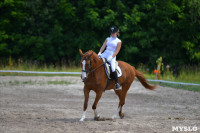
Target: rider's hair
<point>118,33</point>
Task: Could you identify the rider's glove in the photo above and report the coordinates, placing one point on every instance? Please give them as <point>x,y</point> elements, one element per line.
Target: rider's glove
<point>99,54</point>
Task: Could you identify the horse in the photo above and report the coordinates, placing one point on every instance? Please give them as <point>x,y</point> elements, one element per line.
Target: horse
<point>94,78</point>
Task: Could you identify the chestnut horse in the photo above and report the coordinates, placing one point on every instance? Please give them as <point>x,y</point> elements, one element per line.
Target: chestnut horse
<point>94,78</point>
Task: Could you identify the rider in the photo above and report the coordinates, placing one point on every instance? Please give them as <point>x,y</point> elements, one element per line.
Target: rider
<point>112,45</point>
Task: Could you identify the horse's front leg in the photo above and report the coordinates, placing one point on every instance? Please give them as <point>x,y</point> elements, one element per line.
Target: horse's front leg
<point>94,106</point>
<point>86,94</point>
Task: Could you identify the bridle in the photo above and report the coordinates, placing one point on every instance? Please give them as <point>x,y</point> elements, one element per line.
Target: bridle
<point>89,71</point>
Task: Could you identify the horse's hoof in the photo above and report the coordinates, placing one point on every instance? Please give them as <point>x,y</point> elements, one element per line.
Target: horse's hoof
<point>97,118</point>
<point>121,115</point>
<point>113,117</point>
<point>81,120</point>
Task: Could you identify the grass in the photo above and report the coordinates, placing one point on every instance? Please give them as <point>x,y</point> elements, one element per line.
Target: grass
<point>183,77</point>
<point>59,82</point>
<point>30,82</point>
<point>188,74</point>
<point>178,86</point>
<point>44,68</point>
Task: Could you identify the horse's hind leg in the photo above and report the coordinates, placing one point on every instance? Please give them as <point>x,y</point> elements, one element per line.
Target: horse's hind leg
<point>118,92</point>
<point>122,96</point>
<point>122,101</point>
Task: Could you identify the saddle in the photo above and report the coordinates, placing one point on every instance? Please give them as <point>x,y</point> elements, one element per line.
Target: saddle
<point>108,70</point>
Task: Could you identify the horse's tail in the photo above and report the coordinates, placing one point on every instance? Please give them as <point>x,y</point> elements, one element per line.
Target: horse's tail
<point>143,81</point>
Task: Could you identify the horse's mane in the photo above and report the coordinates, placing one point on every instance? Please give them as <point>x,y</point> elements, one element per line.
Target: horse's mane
<point>94,54</point>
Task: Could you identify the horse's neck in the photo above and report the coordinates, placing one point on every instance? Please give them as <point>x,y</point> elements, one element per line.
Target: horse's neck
<point>98,61</point>
<point>96,74</point>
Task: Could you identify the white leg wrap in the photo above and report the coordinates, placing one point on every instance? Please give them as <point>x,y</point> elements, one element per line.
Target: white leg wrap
<point>116,112</point>
<point>96,115</point>
<point>83,116</point>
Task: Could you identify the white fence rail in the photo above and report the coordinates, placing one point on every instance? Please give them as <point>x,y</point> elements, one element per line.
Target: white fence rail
<point>37,72</point>
<point>78,73</point>
<point>171,82</point>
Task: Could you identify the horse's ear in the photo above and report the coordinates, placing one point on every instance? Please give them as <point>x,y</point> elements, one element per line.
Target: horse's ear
<point>80,51</point>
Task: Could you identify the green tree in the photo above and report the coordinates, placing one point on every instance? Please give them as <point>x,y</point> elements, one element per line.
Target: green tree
<point>53,31</point>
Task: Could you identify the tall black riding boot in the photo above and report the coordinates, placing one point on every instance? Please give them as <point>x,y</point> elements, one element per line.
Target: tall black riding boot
<point>116,81</point>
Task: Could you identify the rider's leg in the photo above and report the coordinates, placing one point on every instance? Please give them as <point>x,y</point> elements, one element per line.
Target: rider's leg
<point>115,73</point>
<point>116,81</point>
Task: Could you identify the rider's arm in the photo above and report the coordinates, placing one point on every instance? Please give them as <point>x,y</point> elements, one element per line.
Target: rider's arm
<point>117,49</point>
<point>103,46</point>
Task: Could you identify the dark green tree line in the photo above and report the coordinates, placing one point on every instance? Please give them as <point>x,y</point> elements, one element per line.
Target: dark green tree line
<point>53,31</point>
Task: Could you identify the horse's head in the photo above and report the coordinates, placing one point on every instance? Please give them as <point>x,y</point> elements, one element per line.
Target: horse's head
<point>86,63</point>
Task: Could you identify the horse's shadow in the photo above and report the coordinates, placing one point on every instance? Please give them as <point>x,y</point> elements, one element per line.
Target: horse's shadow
<point>74,120</point>
<point>70,120</point>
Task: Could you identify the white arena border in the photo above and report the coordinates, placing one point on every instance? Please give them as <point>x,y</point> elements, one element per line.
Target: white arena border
<point>78,73</point>
<point>171,82</point>
<point>37,72</point>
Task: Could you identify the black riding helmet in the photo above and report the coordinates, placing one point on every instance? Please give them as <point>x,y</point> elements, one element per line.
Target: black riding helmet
<point>113,29</point>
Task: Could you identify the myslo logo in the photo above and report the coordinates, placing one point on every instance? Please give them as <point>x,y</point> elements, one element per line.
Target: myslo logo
<point>184,128</point>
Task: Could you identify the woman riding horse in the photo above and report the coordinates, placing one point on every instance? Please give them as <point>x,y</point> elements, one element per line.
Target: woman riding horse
<point>94,77</point>
<point>112,45</point>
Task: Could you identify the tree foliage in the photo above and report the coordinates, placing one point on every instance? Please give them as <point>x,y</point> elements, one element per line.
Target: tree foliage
<point>53,31</point>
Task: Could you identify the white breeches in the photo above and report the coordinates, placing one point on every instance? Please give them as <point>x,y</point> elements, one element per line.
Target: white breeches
<point>107,54</point>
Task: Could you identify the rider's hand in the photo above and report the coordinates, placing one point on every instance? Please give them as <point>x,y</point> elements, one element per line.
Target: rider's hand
<point>109,59</point>
<point>99,54</point>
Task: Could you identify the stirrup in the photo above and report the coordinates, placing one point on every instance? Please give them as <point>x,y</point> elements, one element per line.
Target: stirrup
<point>118,87</point>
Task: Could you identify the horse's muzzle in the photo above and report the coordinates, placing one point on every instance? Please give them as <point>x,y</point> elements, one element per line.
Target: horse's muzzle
<point>83,80</point>
<point>84,76</point>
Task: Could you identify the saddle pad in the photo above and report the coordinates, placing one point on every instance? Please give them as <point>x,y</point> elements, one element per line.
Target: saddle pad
<point>108,68</point>
<point>119,71</point>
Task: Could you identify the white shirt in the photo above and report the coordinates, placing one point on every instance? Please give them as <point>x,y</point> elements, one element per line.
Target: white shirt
<point>110,50</point>
<point>112,43</point>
